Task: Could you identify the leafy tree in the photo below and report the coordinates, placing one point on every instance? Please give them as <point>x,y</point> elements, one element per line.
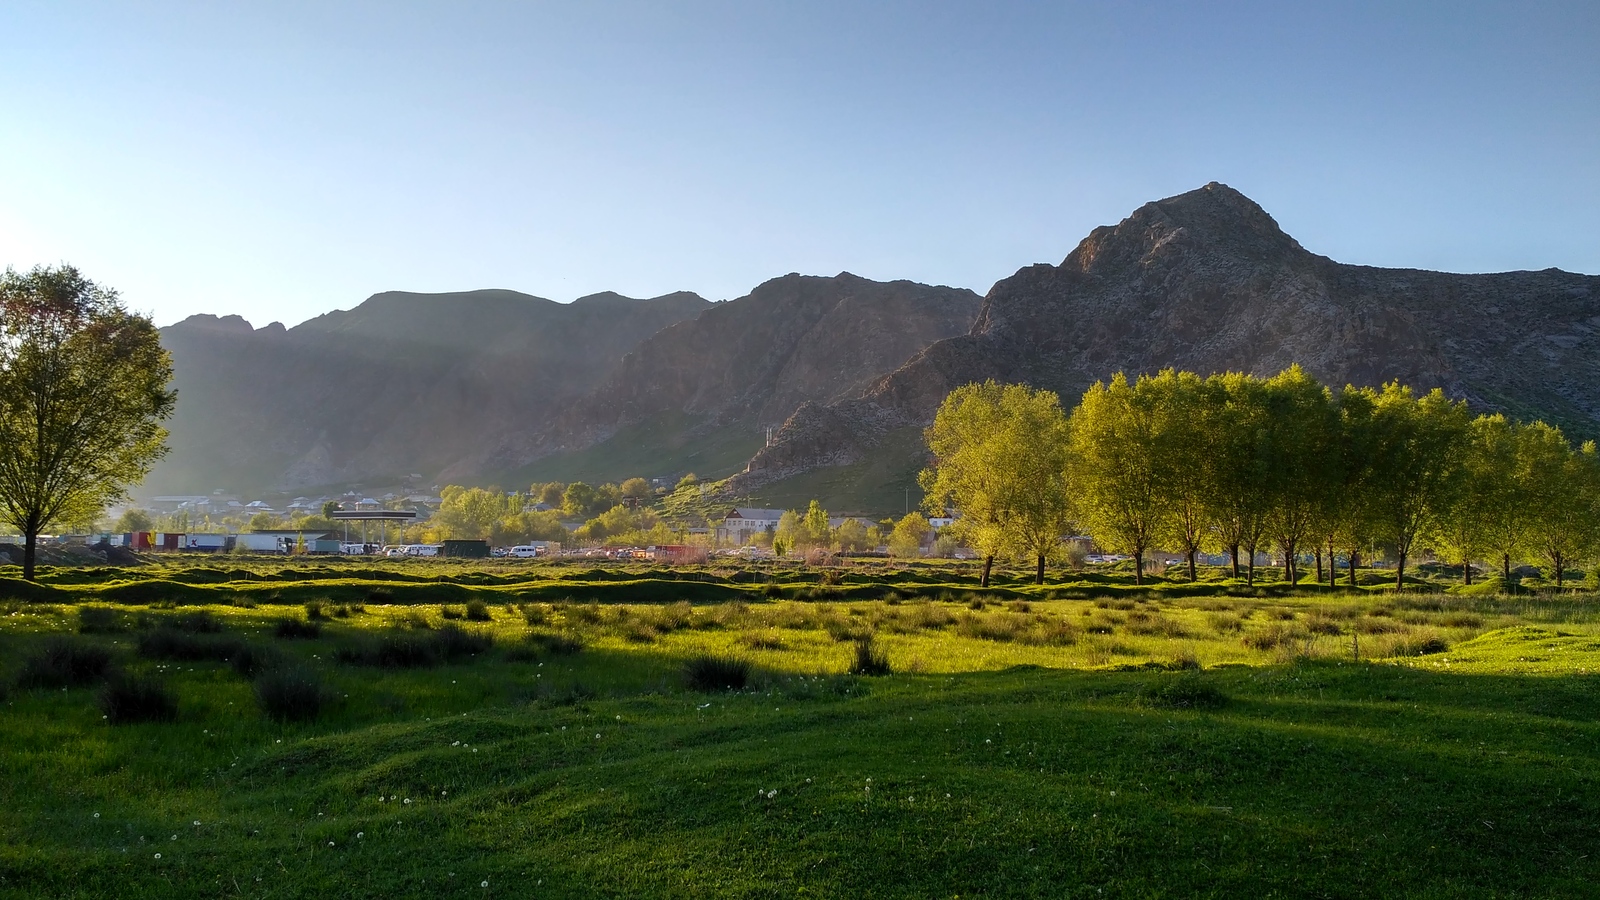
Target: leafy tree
<point>688,481</point>
<point>265,521</point>
<point>1115,447</point>
<point>1476,519</point>
<point>1035,452</point>
<point>1302,460</point>
<point>329,508</point>
<point>469,513</point>
<point>1417,464</point>
<point>818,533</point>
<point>851,537</point>
<point>551,493</point>
<point>133,520</point>
<point>1497,487</point>
<point>579,499</point>
<point>637,489</point>
<point>1185,421</point>
<point>909,533</point>
<point>1240,496</point>
<point>1560,489</point>
<point>971,468</point>
<point>1348,522</point>
<point>83,392</point>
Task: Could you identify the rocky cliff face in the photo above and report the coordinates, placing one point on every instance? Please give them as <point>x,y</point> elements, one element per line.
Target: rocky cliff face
<point>1207,281</point>
<point>793,340</point>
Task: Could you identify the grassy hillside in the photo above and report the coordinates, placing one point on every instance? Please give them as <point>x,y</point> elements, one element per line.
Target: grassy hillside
<point>1116,747</point>
<point>883,485</point>
<point>671,444</point>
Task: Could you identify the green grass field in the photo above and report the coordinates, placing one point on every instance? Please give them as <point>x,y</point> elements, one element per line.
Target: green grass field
<point>1077,740</point>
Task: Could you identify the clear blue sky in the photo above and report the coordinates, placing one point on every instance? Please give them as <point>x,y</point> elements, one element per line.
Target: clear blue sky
<point>281,160</point>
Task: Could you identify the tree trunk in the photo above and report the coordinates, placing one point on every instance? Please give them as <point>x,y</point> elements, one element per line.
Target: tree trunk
<point>1250,568</point>
<point>1400,572</point>
<point>1288,563</point>
<point>1333,567</point>
<point>1352,566</point>
<point>1559,568</point>
<point>1234,551</point>
<point>1466,570</point>
<point>988,563</point>
<point>1319,563</point>
<point>30,543</point>
<point>1138,567</point>
<point>1192,575</point>
<point>1038,574</point>
<point>1505,571</point>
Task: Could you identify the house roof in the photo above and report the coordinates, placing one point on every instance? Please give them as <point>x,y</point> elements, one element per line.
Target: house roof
<point>751,513</point>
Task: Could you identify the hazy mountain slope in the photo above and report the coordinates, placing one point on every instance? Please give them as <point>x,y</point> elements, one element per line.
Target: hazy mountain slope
<point>1207,281</point>
<point>753,361</point>
<point>427,383</point>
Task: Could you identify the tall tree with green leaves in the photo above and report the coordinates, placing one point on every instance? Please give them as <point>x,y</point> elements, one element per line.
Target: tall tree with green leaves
<point>1417,464</point>
<point>1477,514</point>
<point>999,458</point>
<point>84,388</point>
<point>1348,514</point>
<point>1302,454</point>
<point>1185,411</point>
<point>1496,488</point>
<point>908,535</point>
<point>1560,486</point>
<point>1238,478</point>
<point>1116,458</point>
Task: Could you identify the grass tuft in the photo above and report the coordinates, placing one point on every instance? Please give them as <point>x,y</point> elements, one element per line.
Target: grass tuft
<point>290,695</point>
<point>297,629</point>
<point>63,662</point>
<point>128,699</point>
<point>870,659</point>
<point>716,673</point>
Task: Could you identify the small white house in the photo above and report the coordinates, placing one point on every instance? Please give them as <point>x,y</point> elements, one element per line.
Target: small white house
<point>741,525</point>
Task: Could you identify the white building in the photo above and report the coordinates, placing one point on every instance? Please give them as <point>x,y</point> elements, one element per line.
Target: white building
<point>741,525</point>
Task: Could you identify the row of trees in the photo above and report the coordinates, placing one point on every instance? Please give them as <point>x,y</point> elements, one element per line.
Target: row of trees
<point>1240,465</point>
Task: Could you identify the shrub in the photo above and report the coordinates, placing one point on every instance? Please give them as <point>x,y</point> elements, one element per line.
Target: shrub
<point>170,643</point>
<point>250,660</point>
<point>535,614</point>
<point>408,650</point>
<point>316,610</point>
<point>200,621</point>
<point>1420,643</point>
<point>449,612</point>
<point>297,629</point>
<point>1186,691</point>
<point>478,611</point>
<point>63,662</point>
<point>716,673</point>
<point>290,695</point>
<point>556,644</point>
<point>870,659</point>
<point>417,619</point>
<point>126,699</point>
<point>762,640</point>
<point>1272,636</point>
<point>1322,623</point>
<point>100,620</point>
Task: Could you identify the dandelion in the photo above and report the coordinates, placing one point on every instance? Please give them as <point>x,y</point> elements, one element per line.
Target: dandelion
<point>330,843</point>
<point>771,794</point>
<point>197,823</point>
<point>485,883</point>
<point>97,815</point>
<point>360,835</point>
<point>158,856</point>
<point>174,837</point>
<point>407,800</point>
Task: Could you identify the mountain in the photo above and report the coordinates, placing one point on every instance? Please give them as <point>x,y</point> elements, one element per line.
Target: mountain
<point>1207,281</point>
<point>701,394</point>
<point>404,383</point>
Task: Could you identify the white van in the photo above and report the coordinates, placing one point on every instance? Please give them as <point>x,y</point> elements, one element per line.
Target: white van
<point>524,551</point>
